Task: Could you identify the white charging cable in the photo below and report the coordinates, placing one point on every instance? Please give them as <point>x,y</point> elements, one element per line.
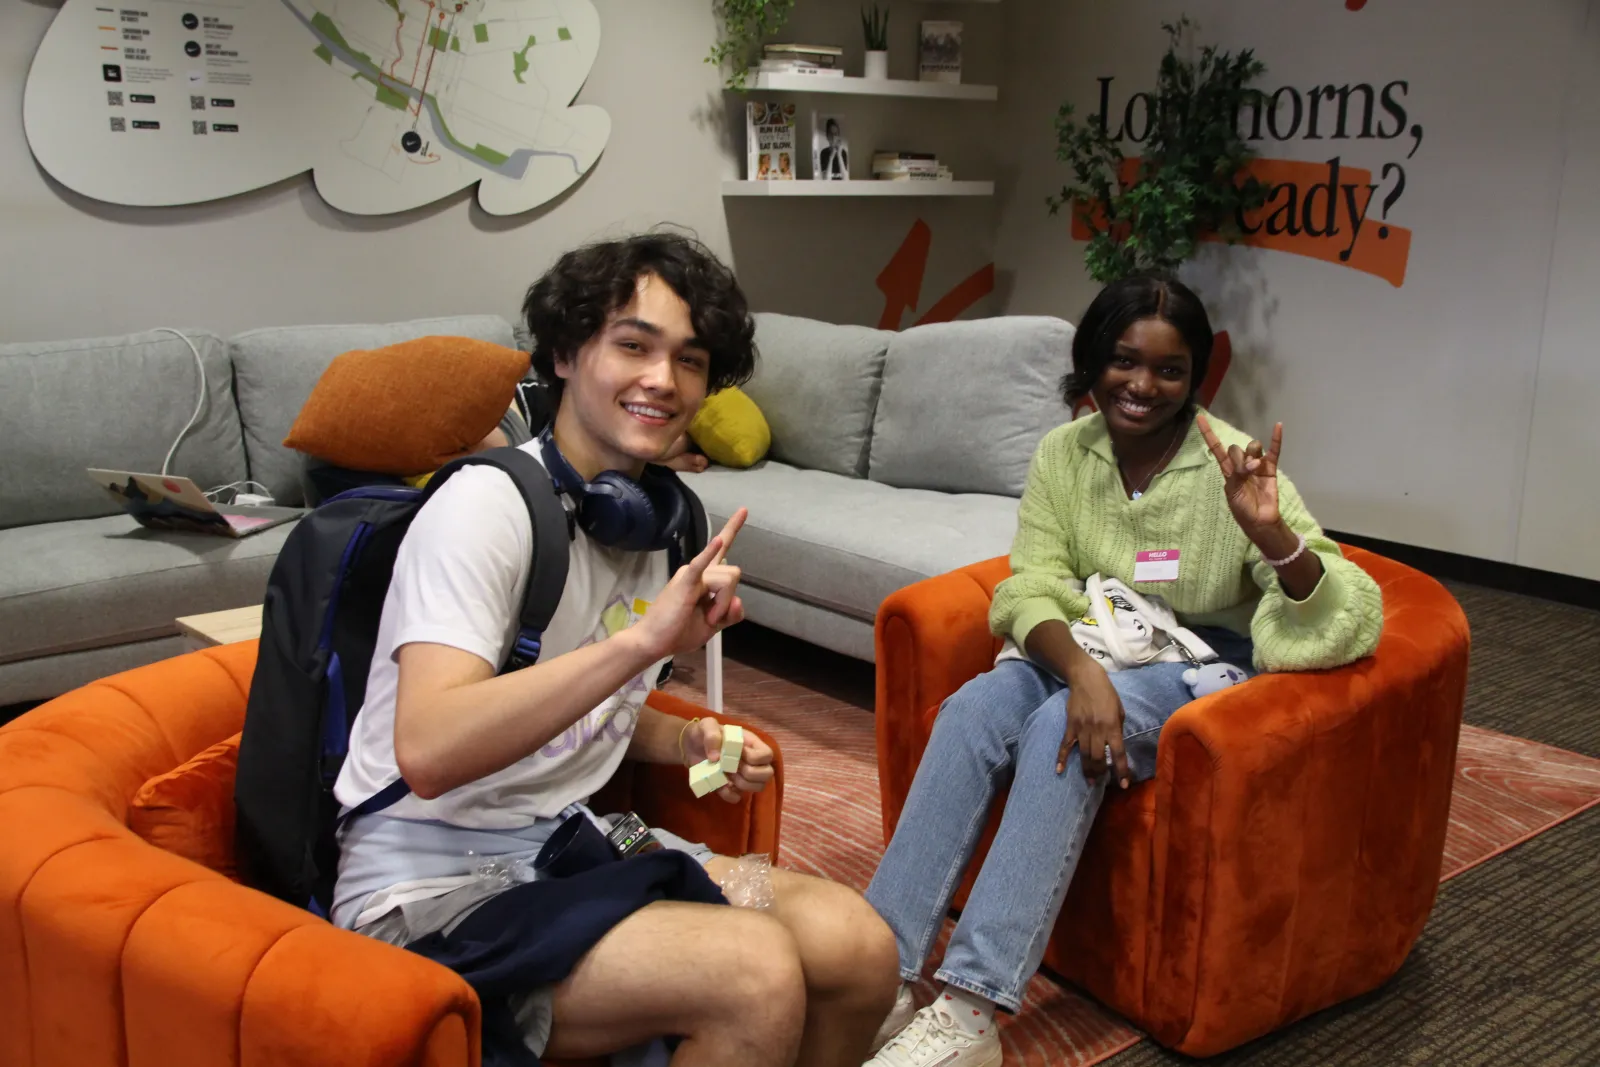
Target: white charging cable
<point>199,404</point>
<point>212,494</point>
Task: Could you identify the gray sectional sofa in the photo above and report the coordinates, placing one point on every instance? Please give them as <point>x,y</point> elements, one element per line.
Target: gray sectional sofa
<point>84,590</point>
<point>895,456</point>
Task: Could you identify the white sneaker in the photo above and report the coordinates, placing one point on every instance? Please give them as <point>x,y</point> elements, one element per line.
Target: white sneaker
<point>935,1039</point>
<point>898,1019</point>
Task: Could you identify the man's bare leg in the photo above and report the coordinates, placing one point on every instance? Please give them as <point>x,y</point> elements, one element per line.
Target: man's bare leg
<point>851,964</point>
<point>728,980</point>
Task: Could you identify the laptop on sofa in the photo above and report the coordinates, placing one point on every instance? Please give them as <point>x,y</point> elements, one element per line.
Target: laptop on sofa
<point>170,502</point>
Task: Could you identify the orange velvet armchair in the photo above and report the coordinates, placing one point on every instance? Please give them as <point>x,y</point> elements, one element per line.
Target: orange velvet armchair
<point>1287,852</point>
<point>114,952</point>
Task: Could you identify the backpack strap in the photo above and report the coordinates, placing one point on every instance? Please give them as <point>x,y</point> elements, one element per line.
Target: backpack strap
<point>547,577</point>
<point>699,534</point>
<point>693,540</point>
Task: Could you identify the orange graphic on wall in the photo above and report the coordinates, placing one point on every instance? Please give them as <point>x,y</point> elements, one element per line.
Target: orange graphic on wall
<point>901,283</point>
<point>1327,211</point>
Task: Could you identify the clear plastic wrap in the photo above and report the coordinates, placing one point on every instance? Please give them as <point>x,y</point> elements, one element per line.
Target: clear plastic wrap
<point>748,883</point>
<point>500,872</point>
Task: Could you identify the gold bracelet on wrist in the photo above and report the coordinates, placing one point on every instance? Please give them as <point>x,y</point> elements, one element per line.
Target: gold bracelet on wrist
<point>683,755</point>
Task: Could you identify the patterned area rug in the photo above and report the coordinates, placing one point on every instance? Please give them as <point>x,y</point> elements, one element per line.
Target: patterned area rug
<point>1507,790</point>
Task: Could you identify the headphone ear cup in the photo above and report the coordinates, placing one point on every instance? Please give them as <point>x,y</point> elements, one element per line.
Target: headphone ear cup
<point>671,508</point>
<point>618,513</point>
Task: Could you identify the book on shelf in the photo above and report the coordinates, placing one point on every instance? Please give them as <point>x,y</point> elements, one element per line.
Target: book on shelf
<point>830,149</point>
<point>941,52</point>
<point>782,66</point>
<point>808,50</point>
<point>803,59</point>
<point>770,141</point>
<point>908,166</point>
<point>942,174</point>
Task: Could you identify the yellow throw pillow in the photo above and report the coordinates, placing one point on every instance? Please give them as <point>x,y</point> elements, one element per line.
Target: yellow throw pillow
<point>731,430</point>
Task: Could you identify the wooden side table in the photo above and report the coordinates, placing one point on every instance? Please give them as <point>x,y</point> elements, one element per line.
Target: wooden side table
<point>222,627</point>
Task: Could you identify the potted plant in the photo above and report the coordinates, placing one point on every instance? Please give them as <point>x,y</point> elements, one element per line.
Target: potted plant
<point>1151,211</point>
<point>744,24</point>
<point>875,29</point>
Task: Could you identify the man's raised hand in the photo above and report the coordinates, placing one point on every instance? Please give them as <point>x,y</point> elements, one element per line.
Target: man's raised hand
<point>701,599</point>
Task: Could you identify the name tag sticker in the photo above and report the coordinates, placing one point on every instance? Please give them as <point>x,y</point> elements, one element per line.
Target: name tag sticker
<point>1158,565</point>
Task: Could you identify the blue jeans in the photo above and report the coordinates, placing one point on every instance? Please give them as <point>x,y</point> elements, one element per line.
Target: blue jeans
<point>1009,721</point>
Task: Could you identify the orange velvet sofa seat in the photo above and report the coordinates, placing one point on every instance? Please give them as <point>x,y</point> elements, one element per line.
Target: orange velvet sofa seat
<point>115,952</point>
<point>1287,852</point>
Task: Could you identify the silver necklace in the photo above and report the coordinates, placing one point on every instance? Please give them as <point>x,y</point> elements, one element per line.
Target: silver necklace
<point>1138,491</point>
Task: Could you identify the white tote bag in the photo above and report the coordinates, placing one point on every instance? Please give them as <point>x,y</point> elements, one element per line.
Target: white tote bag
<point>1124,630</point>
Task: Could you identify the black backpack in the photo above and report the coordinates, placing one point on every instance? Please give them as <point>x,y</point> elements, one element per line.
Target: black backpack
<point>319,626</point>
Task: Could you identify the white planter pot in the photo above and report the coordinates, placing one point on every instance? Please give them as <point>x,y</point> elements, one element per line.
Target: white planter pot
<point>877,66</point>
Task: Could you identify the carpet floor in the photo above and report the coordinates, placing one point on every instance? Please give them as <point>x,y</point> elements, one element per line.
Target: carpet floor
<point>1508,969</point>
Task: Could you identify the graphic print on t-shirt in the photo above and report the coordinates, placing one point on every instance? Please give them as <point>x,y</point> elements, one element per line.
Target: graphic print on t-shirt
<point>615,717</point>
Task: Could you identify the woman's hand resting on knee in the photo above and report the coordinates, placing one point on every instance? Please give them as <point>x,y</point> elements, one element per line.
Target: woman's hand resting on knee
<point>1094,710</point>
<point>1094,723</point>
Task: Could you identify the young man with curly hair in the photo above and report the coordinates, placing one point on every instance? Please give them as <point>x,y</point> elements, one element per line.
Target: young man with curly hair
<point>632,335</point>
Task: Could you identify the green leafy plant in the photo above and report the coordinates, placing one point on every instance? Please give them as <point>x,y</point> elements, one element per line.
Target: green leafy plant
<point>744,25</point>
<point>1189,182</point>
<point>875,28</point>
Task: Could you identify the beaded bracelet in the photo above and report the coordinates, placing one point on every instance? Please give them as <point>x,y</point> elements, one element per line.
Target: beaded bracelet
<point>1290,558</point>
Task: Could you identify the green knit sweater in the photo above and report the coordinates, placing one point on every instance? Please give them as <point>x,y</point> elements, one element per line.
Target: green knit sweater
<point>1076,520</point>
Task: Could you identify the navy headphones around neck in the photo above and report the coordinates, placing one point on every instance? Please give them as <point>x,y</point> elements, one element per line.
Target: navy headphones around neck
<point>647,515</point>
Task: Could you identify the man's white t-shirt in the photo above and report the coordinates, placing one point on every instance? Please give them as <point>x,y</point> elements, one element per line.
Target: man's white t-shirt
<point>458,581</point>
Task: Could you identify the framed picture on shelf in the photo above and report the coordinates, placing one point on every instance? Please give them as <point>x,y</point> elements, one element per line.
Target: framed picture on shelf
<point>830,150</point>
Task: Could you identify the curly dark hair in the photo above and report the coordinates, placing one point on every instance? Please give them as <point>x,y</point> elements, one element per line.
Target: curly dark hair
<point>572,302</point>
<point>1123,303</point>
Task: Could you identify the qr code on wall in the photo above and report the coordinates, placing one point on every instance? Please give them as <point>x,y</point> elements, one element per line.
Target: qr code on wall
<point>114,98</point>
<point>119,125</point>
<point>197,103</point>
<point>199,126</point>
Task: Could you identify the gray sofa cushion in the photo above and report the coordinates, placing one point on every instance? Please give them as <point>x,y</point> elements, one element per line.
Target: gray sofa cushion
<point>97,582</point>
<point>846,543</point>
<point>817,385</point>
<point>115,402</point>
<point>275,370</point>
<point>964,404</point>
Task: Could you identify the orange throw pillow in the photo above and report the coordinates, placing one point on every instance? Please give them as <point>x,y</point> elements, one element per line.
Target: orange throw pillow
<point>408,408</point>
<point>189,810</point>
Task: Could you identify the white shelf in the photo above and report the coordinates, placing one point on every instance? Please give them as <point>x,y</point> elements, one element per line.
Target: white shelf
<point>812,83</point>
<point>857,188</point>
